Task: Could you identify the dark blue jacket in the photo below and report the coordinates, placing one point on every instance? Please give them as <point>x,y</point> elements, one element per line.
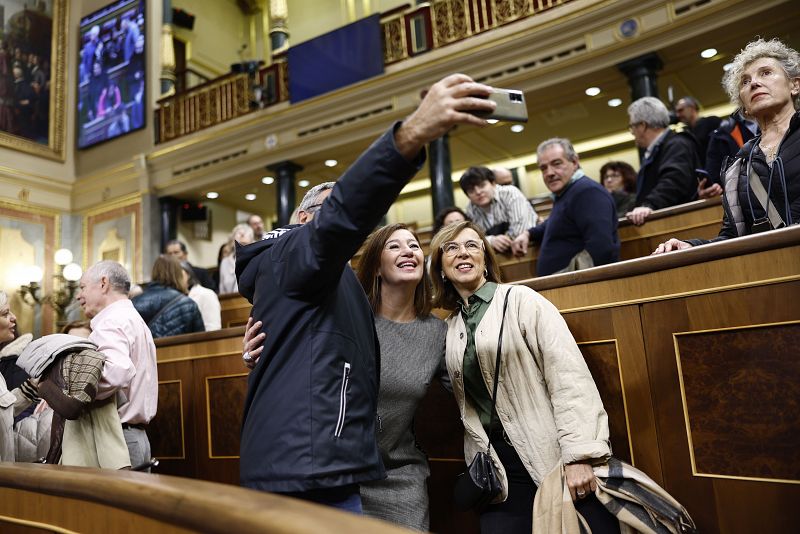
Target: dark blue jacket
<point>583,217</point>
<point>667,178</point>
<point>722,145</point>
<point>182,316</point>
<point>309,415</point>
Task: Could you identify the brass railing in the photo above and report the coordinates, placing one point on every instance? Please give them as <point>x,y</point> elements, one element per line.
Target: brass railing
<point>204,106</point>
<point>442,22</point>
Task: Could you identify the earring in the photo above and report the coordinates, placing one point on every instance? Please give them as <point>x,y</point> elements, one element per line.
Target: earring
<point>485,272</point>
<point>443,277</point>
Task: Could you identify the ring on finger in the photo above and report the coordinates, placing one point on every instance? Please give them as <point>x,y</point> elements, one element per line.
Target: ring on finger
<point>246,356</point>
<point>581,493</point>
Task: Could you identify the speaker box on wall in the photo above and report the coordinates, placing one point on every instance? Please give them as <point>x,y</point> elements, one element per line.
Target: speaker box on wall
<point>182,19</point>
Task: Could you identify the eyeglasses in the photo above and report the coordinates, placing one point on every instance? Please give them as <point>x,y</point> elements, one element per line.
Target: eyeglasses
<point>452,248</point>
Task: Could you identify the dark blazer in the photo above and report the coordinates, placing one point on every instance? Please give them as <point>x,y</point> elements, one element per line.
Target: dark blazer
<point>667,178</point>
<point>310,413</point>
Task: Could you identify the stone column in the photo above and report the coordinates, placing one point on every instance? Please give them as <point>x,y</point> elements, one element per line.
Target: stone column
<point>642,73</point>
<point>440,171</point>
<point>279,29</point>
<point>285,173</point>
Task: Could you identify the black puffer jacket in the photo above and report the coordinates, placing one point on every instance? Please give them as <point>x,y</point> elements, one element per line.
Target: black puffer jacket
<point>309,415</point>
<point>181,316</point>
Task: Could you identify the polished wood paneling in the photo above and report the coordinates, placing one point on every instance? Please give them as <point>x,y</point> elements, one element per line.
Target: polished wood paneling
<point>703,495</point>
<point>701,220</point>
<point>166,430</point>
<point>741,392</point>
<point>603,363</point>
<point>234,310</point>
<point>124,502</point>
<point>225,396</point>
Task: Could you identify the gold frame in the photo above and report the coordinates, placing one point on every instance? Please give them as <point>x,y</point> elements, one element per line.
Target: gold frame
<point>211,455</point>
<point>55,148</point>
<point>36,524</point>
<point>136,199</point>
<point>183,421</point>
<point>621,387</point>
<point>686,408</point>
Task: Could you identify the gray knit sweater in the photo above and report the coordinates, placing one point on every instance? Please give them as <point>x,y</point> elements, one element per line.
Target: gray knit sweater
<point>412,355</point>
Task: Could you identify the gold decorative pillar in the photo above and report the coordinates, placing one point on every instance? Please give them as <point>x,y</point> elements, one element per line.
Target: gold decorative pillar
<point>167,60</point>
<point>279,30</point>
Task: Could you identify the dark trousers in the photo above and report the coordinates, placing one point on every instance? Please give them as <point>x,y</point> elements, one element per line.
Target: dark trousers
<point>515,515</point>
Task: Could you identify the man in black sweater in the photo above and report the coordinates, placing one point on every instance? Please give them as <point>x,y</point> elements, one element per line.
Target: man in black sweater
<point>581,230</point>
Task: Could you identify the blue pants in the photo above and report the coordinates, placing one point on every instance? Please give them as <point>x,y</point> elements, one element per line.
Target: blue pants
<point>346,498</point>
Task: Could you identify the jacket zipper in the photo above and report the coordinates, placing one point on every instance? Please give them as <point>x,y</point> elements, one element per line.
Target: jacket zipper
<point>342,401</point>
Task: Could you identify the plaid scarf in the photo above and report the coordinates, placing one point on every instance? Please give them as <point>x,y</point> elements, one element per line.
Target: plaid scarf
<point>635,499</point>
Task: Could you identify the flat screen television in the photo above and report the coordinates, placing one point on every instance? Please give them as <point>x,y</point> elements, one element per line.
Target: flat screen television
<point>112,72</point>
<point>339,58</point>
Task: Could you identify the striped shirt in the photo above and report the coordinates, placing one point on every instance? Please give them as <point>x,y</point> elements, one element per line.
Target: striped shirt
<point>508,205</point>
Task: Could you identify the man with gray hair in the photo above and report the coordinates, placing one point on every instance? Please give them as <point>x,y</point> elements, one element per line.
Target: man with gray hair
<point>667,173</point>
<point>581,231</point>
<point>309,425</point>
<point>123,337</point>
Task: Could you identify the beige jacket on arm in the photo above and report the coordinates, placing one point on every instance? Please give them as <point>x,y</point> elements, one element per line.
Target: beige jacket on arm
<point>547,400</point>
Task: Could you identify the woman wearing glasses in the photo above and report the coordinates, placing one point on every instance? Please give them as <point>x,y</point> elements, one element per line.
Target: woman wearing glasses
<point>392,272</point>
<point>548,409</point>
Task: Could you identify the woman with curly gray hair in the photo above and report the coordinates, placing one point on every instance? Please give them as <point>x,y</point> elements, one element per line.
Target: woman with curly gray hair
<point>764,81</point>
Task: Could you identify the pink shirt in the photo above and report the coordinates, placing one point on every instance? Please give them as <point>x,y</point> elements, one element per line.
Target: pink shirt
<point>122,336</point>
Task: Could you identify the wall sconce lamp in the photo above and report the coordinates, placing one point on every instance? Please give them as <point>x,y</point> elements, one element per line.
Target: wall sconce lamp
<point>66,284</point>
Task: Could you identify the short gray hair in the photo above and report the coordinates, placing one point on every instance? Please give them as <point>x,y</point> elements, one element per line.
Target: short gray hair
<point>569,150</point>
<point>3,298</point>
<point>787,57</point>
<point>650,111</point>
<point>117,275</point>
<point>311,197</point>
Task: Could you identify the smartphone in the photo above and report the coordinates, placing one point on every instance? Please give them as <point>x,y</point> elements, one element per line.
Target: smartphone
<point>702,174</point>
<point>510,106</point>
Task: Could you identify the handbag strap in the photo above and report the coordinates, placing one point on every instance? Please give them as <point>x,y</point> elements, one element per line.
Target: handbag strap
<point>497,371</point>
<point>761,195</point>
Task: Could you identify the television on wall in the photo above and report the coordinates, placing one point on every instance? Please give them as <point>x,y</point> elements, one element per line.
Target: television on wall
<point>112,72</point>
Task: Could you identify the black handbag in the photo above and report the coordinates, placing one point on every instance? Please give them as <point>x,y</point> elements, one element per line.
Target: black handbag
<point>478,486</point>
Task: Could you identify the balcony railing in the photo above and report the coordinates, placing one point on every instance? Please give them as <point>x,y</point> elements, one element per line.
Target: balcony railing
<point>407,32</point>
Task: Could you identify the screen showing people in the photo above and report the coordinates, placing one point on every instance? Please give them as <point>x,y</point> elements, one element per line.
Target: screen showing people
<point>111,72</point>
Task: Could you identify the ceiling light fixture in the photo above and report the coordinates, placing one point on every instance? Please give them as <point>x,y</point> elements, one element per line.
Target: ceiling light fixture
<point>615,102</point>
<point>517,128</point>
<point>303,183</point>
<point>250,196</point>
<point>708,53</point>
<point>212,195</point>
<point>593,91</point>
<point>331,163</point>
<point>268,180</point>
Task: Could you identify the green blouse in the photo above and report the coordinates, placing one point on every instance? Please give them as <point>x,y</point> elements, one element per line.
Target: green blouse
<point>474,386</point>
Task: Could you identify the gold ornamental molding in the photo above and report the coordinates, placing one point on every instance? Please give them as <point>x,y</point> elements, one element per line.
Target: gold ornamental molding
<point>685,408</point>
<point>37,525</point>
<point>208,379</point>
<point>183,423</point>
<point>622,388</point>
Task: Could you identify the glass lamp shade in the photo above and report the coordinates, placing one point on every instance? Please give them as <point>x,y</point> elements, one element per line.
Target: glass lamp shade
<point>34,273</point>
<point>72,272</point>
<point>63,256</point>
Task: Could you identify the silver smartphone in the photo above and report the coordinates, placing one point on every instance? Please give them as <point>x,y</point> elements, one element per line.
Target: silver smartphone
<point>510,106</point>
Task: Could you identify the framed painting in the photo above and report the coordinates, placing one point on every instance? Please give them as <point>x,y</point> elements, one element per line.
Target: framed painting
<point>33,44</point>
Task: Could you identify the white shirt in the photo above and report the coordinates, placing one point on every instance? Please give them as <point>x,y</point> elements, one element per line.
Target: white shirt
<point>208,303</point>
<point>227,275</point>
<point>508,204</point>
<point>123,337</point>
